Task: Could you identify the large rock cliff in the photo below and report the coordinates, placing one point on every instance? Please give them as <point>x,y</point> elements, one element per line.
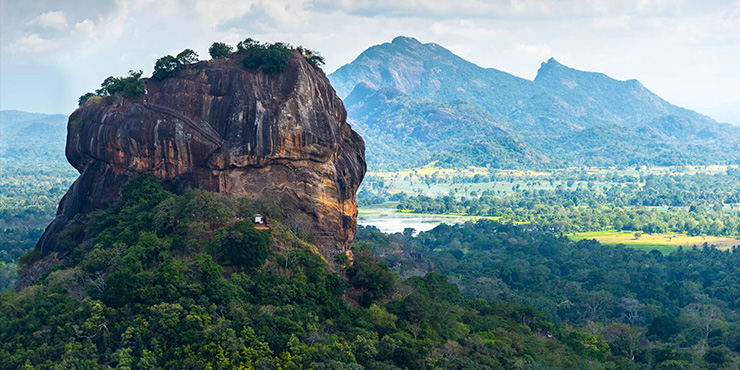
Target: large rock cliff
<point>223,128</point>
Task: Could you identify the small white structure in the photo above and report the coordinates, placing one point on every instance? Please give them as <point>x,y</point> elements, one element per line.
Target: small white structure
<point>258,219</point>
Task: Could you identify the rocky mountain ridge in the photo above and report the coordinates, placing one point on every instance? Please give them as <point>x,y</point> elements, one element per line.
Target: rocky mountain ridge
<point>406,84</point>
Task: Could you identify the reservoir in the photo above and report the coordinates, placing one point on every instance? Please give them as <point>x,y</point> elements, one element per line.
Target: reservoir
<point>389,220</point>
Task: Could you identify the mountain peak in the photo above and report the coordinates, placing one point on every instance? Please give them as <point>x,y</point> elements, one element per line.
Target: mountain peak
<point>552,61</point>
<point>551,65</point>
<point>405,40</point>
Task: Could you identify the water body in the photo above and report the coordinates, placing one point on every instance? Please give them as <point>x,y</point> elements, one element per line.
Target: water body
<point>390,221</point>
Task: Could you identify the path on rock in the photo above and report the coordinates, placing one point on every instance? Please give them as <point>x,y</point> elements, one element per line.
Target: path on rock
<point>204,128</point>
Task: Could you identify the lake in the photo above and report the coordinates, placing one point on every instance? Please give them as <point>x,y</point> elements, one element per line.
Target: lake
<point>388,220</point>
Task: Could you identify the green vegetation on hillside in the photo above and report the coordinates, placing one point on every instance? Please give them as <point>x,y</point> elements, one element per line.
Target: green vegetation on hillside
<point>661,312</point>
<point>166,281</point>
<point>273,58</point>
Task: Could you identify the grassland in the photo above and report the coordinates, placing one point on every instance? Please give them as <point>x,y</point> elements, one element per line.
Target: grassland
<point>664,243</point>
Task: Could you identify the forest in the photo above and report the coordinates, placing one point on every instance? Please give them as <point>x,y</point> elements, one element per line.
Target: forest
<point>34,175</point>
<point>673,311</point>
<point>163,281</point>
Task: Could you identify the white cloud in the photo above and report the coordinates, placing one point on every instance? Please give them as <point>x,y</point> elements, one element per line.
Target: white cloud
<point>733,14</point>
<point>54,21</point>
<point>86,28</point>
<point>499,8</point>
<point>538,52</point>
<point>32,43</point>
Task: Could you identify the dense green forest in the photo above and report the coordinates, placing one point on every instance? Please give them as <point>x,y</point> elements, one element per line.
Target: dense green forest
<point>665,312</point>
<point>34,175</point>
<point>167,281</point>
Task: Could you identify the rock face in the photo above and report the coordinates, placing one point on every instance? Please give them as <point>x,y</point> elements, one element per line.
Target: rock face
<point>223,128</point>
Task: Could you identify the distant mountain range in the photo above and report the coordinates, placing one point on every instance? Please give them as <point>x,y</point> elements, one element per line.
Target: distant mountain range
<point>415,102</point>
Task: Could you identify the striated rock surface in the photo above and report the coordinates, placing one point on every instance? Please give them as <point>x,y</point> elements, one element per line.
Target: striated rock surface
<point>220,127</point>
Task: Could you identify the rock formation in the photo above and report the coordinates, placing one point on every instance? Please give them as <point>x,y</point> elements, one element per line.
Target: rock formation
<point>223,128</point>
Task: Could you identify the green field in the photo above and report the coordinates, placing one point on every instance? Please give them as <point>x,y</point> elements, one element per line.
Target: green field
<point>664,243</point>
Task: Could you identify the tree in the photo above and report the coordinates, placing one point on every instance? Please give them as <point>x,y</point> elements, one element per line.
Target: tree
<point>366,271</point>
<point>220,50</point>
<point>703,317</point>
<point>248,45</point>
<point>312,57</point>
<point>187,56</point>
<point>245,246</point>
<point>129,86</point>
<point>275,58</point>
<point>84,98</point>
<point>718,356</point>
<point>165,66</point>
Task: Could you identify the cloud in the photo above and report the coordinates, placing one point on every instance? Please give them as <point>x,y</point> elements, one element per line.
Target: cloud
<point>32,43</point>
<point>542,9</point>
<point>733,14</point>
<point>538,52</point>
<point>53,21</point>
<point>86,28</point>
<point>268,16</point>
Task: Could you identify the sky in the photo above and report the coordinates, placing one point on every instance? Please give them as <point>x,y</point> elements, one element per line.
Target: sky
<point>686,51</point>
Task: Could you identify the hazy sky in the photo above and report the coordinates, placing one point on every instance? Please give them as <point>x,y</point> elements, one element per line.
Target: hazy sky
<point>688,52</point>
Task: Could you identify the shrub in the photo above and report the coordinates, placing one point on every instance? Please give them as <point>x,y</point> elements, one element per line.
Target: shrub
<point>252,51</point>
<point>167,66</point>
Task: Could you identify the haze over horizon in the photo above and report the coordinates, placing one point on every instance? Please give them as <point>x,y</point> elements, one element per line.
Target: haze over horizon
<point>685,51</point>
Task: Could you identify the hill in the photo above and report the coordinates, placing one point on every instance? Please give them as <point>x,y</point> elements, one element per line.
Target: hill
<point>570,116</point>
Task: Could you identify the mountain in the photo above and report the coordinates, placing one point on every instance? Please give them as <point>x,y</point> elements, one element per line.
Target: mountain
<point>564,114</point>
<point>280,138</point>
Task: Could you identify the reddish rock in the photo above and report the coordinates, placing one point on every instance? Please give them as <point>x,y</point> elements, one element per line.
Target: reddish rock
<point>220,127</point>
